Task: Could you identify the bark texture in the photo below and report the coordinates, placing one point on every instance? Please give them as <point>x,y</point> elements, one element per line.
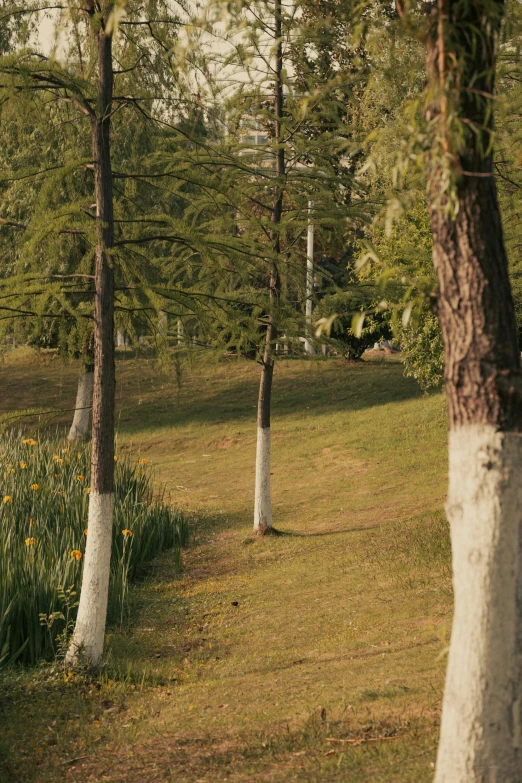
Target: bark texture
<point>480,728</point>
<point>475,304</point>
<point>263,502</point>
<point>82,411</point>
<point>89,632</point>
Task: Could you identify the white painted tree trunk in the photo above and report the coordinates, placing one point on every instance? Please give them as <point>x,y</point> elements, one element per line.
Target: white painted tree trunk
<point>82,413</point>
<point>262,502</point>
<point>481,709</point>
<point>89,632</point>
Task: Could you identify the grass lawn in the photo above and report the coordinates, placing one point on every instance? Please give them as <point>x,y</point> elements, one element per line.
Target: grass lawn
<point>317,655</point>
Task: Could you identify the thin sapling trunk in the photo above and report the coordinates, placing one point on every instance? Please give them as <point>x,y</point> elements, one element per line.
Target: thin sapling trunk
<point>263,500</point>
<point>89,632</point>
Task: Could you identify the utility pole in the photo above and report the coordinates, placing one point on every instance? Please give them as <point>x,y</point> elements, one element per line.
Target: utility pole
<point>309,280</point>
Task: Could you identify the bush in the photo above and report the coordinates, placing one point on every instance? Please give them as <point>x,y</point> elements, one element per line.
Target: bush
<point>43,529</point>
<point>345,305</point>
<point>422,351</point>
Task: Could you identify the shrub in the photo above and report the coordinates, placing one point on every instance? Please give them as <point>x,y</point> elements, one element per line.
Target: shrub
<point>345,305</point>
<point>422,351</point>
<point>43,529</point>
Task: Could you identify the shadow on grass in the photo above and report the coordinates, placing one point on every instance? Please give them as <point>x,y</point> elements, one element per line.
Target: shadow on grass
<point>324,533</point>
<point>223,399</point>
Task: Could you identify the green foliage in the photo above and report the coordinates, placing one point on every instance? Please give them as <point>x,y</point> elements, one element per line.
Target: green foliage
<point>403,269</point>
<point>422,351</point>
<point>342,307</point>
<point>43,524</point>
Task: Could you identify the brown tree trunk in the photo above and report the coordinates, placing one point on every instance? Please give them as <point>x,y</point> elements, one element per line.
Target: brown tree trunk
<point>263,503</point>
<point>90,626</point>
<point>480,728</point>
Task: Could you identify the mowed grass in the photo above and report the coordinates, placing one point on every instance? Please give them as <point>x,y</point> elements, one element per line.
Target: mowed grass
<point>317,655</point>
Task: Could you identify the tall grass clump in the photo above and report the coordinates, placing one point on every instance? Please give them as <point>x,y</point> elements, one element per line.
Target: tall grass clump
<point>43,530</point>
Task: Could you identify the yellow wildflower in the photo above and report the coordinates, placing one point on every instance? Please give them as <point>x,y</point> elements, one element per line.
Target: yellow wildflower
<point>76,554</point>
<point>31,523</point>
<point>58,459</point>
<point>23,466</point>
<point>115,459</point>
<point>143,461</point>
<point>87,490</point>
<point>35,487</point>
<point>65,450</point>
<point>80,478</point>
<point>30,541</point>
<point>86,531</point>
<point>7,499</point>
<point>78,456</point>
<point>29,442</point>
<point>127,533</point>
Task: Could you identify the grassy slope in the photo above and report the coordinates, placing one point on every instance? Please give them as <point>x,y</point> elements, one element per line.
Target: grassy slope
<point>340,626</point>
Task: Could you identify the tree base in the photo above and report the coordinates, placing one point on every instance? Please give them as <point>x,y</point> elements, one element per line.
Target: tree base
<point>266,531</point>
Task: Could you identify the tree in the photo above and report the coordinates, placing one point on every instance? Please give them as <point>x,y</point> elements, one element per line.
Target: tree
<point>278,154</point>
<point>89,632</point>
<point>481,706</point>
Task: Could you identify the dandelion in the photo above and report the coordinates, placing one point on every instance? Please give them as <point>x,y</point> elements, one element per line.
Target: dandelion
<point>80,478</point>
<point>127,533</point>
<point>30,541</point>
<point>35,487</point>
<point>76,554</point>
<point>23,466</point>
<point>7,499</point>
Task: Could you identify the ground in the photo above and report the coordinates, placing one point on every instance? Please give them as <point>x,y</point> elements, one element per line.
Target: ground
<point>316,655</point>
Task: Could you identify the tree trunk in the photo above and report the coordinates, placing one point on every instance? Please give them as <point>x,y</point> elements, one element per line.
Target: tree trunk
<point>480,729</point>
<point>263,501</point>
<point>82,411</point>
<point>89,632</point>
